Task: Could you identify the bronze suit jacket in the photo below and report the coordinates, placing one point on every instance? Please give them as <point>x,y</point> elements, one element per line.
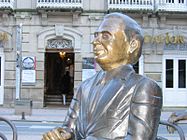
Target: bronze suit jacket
<point>115,105</point>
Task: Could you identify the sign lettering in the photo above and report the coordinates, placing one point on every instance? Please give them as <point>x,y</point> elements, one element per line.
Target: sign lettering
<point>167,39</point>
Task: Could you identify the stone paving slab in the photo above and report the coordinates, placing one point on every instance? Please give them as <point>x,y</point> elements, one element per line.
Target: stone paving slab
<point>37,114</point>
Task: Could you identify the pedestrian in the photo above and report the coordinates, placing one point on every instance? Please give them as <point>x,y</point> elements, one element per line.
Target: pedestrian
<point>66,83</point>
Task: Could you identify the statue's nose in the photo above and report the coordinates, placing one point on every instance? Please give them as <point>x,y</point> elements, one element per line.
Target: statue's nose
<point>96,40</point>
<point>93,42</point>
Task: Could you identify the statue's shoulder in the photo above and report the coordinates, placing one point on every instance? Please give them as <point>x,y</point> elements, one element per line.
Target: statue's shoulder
<point>147,88</point>
<point>146,82</point>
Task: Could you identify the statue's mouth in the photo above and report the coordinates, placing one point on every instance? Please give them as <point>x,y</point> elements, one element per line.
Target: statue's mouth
<point>99,51</point>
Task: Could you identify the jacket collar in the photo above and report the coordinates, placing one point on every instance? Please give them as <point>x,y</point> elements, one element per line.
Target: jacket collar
<point>122,72</point>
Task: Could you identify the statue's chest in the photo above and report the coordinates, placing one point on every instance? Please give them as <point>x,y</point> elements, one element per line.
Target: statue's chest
<point>104,97</point>
<point>107,104</point>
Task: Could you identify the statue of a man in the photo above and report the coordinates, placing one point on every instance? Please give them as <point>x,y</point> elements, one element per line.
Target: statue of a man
<point>116,103</point>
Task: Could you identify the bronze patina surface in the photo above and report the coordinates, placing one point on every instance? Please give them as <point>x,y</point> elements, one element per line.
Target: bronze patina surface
<point>116,103</point>
<point>174,118</point>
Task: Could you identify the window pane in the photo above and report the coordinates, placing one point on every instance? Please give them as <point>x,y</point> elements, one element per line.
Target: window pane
<point>169,1</point>
<point>182,74</point>
<point>181,1</point>
<point>169,73</point>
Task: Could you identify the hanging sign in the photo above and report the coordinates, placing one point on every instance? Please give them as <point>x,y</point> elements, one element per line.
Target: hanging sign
<point>28,70</point>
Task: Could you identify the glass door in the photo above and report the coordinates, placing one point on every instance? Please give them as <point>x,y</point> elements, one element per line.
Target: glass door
<point>174,80</point>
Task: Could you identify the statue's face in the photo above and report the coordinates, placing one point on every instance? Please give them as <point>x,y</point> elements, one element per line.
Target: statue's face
<point>110,44</point>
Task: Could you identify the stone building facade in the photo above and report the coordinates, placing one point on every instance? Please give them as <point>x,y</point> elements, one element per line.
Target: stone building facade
<point>52,29</point>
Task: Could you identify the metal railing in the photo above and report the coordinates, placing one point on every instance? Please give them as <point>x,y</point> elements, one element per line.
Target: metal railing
<point>154,5</point>
<point>131,4</point>
<point>56,4</point>
<point>13,127</point>
<point>164,5</point>
<point>7,4</point>
<point>175,126</point>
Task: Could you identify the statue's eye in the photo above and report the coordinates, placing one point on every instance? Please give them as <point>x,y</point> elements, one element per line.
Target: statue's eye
<point>106,36</point>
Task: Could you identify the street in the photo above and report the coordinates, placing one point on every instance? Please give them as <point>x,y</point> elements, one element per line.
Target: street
<point>28,130</point>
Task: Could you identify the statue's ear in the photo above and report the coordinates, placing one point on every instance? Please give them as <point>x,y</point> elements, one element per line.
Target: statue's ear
<point>134,45</point>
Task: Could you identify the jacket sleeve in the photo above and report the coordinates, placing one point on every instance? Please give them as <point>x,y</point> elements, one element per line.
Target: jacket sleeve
<point>145,111</point>
<point>72,114</point>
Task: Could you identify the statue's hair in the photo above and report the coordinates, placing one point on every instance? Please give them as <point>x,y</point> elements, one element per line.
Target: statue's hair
<point>132,30</point>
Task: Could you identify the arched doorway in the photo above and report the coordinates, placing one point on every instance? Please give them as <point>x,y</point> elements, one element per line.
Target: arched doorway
<point>49,40</point>
<point>59,60</point>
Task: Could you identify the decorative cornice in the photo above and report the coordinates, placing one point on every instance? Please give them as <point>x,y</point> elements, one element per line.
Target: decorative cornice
<point>59,44</point>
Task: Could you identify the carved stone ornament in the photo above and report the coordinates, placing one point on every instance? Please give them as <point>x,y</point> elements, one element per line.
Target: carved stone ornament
<point>59,44</point>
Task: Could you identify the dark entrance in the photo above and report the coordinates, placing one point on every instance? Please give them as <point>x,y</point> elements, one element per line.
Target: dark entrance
<point>57,64</point>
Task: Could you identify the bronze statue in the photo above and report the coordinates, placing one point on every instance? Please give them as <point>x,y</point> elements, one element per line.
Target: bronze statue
<point>174,118</point>
<point>116,103</point>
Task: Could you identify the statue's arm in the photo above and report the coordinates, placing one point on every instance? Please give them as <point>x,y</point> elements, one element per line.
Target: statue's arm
<point>145,111</point>
<point>66,132</point>
<point>72,114</point>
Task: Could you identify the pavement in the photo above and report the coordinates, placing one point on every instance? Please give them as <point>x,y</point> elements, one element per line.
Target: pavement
<point>56,114</point>
<point>51,113</point>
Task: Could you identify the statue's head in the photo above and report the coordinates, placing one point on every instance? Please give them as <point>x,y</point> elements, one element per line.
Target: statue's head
<point>118,41</point>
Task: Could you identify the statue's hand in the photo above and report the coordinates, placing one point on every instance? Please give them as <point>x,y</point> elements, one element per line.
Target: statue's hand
<point>57,134</point>
<point>172,119</point>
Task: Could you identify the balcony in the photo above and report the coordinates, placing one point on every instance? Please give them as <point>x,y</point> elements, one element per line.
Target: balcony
<point>131,5</point>
<point>59,4</point>
<point>6,4</point>
<point>172,5</point>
